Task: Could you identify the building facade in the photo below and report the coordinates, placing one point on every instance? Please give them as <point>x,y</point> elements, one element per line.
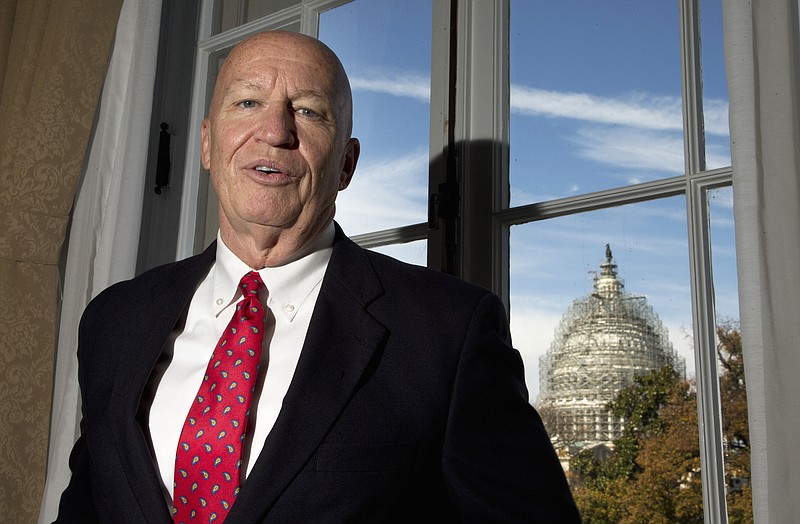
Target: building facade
<point>602,343</point>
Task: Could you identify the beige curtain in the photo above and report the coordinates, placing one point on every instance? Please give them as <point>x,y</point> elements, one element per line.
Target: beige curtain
<point>53,57</point>
<point>762,51</point>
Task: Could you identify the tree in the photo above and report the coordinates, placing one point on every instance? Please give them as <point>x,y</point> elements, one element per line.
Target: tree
<point>654,474</point>
<point>667,487</point>
<point>734,423</point>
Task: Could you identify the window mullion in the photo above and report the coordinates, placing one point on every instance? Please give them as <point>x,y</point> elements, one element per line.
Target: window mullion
<point>709,409</point>
<point>441,110</point>
<point>481,138</point>
<point>692,87</point>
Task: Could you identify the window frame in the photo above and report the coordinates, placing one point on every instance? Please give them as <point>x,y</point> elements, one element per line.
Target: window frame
<point>467,109</point>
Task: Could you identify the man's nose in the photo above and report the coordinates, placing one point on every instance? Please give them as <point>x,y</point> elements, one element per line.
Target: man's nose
<point>276,125</point>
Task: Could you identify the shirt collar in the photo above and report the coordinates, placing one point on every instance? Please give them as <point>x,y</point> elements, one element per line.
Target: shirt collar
<point>288,286</point>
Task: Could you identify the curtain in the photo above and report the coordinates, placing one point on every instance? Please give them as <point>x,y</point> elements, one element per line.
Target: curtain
<point>104,235</point>
<point>761,48</point>
<point>53,57</point>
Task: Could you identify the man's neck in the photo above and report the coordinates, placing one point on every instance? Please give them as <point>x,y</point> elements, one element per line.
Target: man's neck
<point>269,249</point>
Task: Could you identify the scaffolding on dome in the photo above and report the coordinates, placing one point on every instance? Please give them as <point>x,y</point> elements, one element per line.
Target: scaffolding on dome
<point>602,343</point>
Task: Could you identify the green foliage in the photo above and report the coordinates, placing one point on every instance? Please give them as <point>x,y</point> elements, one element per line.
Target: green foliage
<point>638,405</point>
<point>653,474</point>
<point>734,423</point>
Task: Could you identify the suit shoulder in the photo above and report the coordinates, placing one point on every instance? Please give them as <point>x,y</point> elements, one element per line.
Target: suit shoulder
<point>150,282</point>
<point>413,278</point>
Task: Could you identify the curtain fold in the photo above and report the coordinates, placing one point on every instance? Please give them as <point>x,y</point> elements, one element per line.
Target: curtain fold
<point>104,234</point>
<point>761,48</point>
<point>53,56</point>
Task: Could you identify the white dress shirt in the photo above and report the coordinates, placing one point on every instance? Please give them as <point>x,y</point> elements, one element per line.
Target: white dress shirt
<point>292,291</point>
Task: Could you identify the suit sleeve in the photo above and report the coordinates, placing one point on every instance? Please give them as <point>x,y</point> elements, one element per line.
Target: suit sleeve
<point>498,462</point>
<point>77,501</point>
<point>77,504</point>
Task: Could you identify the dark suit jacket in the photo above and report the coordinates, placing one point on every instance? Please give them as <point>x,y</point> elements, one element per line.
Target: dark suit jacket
<point>408,405</point>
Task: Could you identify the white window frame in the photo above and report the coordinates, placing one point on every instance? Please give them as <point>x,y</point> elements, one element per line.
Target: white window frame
<point>468,108</point>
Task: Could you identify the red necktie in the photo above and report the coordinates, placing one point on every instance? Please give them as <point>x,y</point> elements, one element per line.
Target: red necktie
<point>209,456</point>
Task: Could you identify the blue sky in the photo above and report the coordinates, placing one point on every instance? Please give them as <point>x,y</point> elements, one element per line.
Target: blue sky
<point>595,104</point>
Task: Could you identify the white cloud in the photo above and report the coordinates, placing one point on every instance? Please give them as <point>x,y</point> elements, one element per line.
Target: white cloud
<point>715,116</point>
<point>385,193</point>
<point>636,149</point>
<point>637,110</point>
<point>681,337</point>
<point>406,85</point>
<point>532,332</point>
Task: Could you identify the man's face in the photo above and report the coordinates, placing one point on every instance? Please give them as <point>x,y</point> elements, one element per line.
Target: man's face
<point>277,137</point>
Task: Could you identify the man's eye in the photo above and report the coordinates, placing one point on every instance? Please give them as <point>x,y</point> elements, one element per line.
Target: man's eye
<point>247,104</point>
<point>308,112</point>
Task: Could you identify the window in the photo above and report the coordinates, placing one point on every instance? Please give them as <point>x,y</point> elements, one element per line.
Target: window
<point>509,142</point>
<point>388,60</point>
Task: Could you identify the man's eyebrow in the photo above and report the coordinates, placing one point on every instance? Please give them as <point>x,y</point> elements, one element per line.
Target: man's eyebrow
<point>305,94</point>
<point>247,85</point>
<point>300,94</point>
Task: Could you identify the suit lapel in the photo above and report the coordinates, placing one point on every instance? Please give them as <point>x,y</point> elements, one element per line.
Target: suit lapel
<point>141,346</point>
<point>341,342</point>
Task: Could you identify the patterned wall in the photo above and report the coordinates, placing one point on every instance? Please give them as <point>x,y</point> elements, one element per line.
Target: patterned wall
<point>53,57</point>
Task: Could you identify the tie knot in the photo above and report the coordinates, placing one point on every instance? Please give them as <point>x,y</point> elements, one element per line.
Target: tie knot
<point>250,284</point>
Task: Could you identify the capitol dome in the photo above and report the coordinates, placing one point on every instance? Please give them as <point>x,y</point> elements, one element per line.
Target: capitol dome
<point>602,343</point>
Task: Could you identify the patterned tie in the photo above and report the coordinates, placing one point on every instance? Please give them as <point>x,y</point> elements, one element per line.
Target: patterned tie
<point>209,456</point>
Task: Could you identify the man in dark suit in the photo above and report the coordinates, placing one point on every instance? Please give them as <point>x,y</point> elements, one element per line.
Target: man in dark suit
<point>386,392</point>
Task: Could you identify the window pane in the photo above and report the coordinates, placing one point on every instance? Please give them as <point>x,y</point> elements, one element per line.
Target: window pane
<point>729,352</point>
<point>412,252</point>
<point>715,86</point>
<point>553,262</point>
<point>595,96</point>
<point>229,14</point>
<point>388,61</point>
<point>207,201</point>
<point>600,303</point>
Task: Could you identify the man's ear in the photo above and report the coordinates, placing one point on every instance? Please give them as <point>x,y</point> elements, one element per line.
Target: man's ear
<point>352,150</point>
<point>205,146</point>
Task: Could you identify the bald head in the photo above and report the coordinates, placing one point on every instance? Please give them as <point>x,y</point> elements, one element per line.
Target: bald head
<point>291,46</point>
